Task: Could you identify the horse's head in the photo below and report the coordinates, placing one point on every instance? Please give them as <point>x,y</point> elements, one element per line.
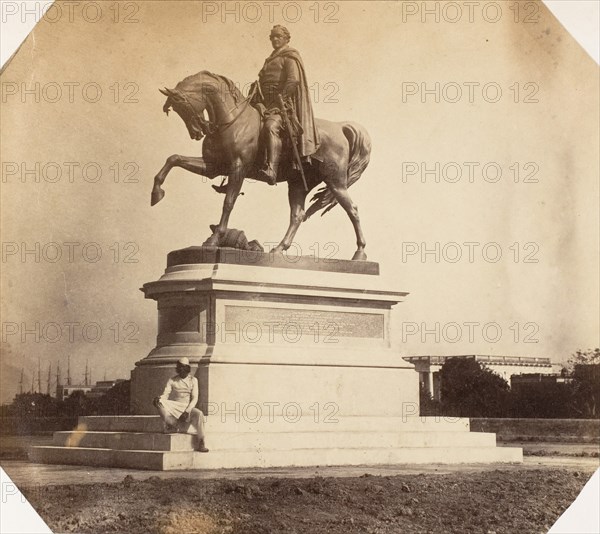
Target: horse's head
<point>197,93</point>
<point>190,108</point>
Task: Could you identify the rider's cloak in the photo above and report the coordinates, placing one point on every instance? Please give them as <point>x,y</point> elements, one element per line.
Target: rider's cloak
<point>308,140</point>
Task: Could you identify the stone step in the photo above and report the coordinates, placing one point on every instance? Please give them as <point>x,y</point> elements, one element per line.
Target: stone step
<point>239,423</point>
<point>271,440</point>
<point>125,440</point>
<point>156,460</point>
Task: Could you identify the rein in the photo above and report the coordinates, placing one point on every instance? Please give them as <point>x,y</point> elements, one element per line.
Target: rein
<point>210,127</point>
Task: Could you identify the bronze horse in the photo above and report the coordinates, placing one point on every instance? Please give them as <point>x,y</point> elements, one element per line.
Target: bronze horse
<point>231,148</point>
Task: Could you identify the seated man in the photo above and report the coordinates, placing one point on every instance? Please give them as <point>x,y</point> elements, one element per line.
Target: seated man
<point>177,404</point>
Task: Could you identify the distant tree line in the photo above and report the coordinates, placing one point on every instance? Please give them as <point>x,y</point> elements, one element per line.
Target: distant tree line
<point>468,389</point>
<point>36,412</point>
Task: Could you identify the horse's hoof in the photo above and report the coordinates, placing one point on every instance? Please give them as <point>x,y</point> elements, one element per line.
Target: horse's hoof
<point>359,255</point>
<point>158,194</point>
<point>222,189</point>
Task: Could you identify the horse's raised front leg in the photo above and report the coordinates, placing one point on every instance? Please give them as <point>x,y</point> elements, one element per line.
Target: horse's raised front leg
<point>234,186</point>
<point>296,197</point>
<point>192,164</point>
<point>341,195</point>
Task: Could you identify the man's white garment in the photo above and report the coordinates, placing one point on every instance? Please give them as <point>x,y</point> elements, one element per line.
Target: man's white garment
<point>180,395</point>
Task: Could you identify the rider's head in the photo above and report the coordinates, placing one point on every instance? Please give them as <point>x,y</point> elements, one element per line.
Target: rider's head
<point>280,36</point>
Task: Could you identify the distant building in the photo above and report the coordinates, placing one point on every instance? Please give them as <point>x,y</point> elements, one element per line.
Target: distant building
<point>103,386</point>
<point>527,379</point>
<point>63,392</point>
<point>95,391</point>
<point>429,367</point>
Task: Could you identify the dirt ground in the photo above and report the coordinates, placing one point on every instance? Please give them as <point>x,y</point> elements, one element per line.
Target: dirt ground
<point>507,499</point>
<point>497,501</point>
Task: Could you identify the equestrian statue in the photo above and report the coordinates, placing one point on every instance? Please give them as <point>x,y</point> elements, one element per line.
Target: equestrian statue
<point>270,136</point>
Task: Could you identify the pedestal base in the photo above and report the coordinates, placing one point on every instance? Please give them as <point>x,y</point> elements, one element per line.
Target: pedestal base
<point>135,442</point>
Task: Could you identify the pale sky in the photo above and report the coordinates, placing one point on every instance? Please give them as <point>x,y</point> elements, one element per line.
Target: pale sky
<point>358,68</point>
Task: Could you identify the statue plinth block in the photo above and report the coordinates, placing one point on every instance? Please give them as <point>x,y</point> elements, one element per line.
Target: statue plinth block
<point>269,330</point>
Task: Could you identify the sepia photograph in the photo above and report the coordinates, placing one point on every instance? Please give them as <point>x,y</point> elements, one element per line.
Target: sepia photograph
<point>306,267</point>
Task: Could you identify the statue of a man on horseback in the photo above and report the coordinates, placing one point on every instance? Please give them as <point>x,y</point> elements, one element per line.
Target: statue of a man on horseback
<point>331,153</point>
<point>283,75</point>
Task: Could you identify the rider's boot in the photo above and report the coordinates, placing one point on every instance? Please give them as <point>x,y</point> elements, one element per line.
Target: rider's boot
<point>269,172</point>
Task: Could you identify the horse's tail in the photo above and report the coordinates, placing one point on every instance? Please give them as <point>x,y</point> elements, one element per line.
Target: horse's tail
<point>360,155</point>
<point>360,150</point>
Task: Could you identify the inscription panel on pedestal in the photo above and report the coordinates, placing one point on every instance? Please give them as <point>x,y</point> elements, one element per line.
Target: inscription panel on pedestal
<point>278,321</point>
<point>179,319</point>
<point>180,324</point>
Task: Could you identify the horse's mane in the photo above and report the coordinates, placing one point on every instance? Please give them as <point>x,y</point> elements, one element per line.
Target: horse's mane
<point>193,84</point>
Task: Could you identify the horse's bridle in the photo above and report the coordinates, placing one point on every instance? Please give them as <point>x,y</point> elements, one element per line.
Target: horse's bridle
<point>209,127</point>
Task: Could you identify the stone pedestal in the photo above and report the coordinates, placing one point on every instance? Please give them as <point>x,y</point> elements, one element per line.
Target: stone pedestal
<point>267,333</point>
<point>295,368</point>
